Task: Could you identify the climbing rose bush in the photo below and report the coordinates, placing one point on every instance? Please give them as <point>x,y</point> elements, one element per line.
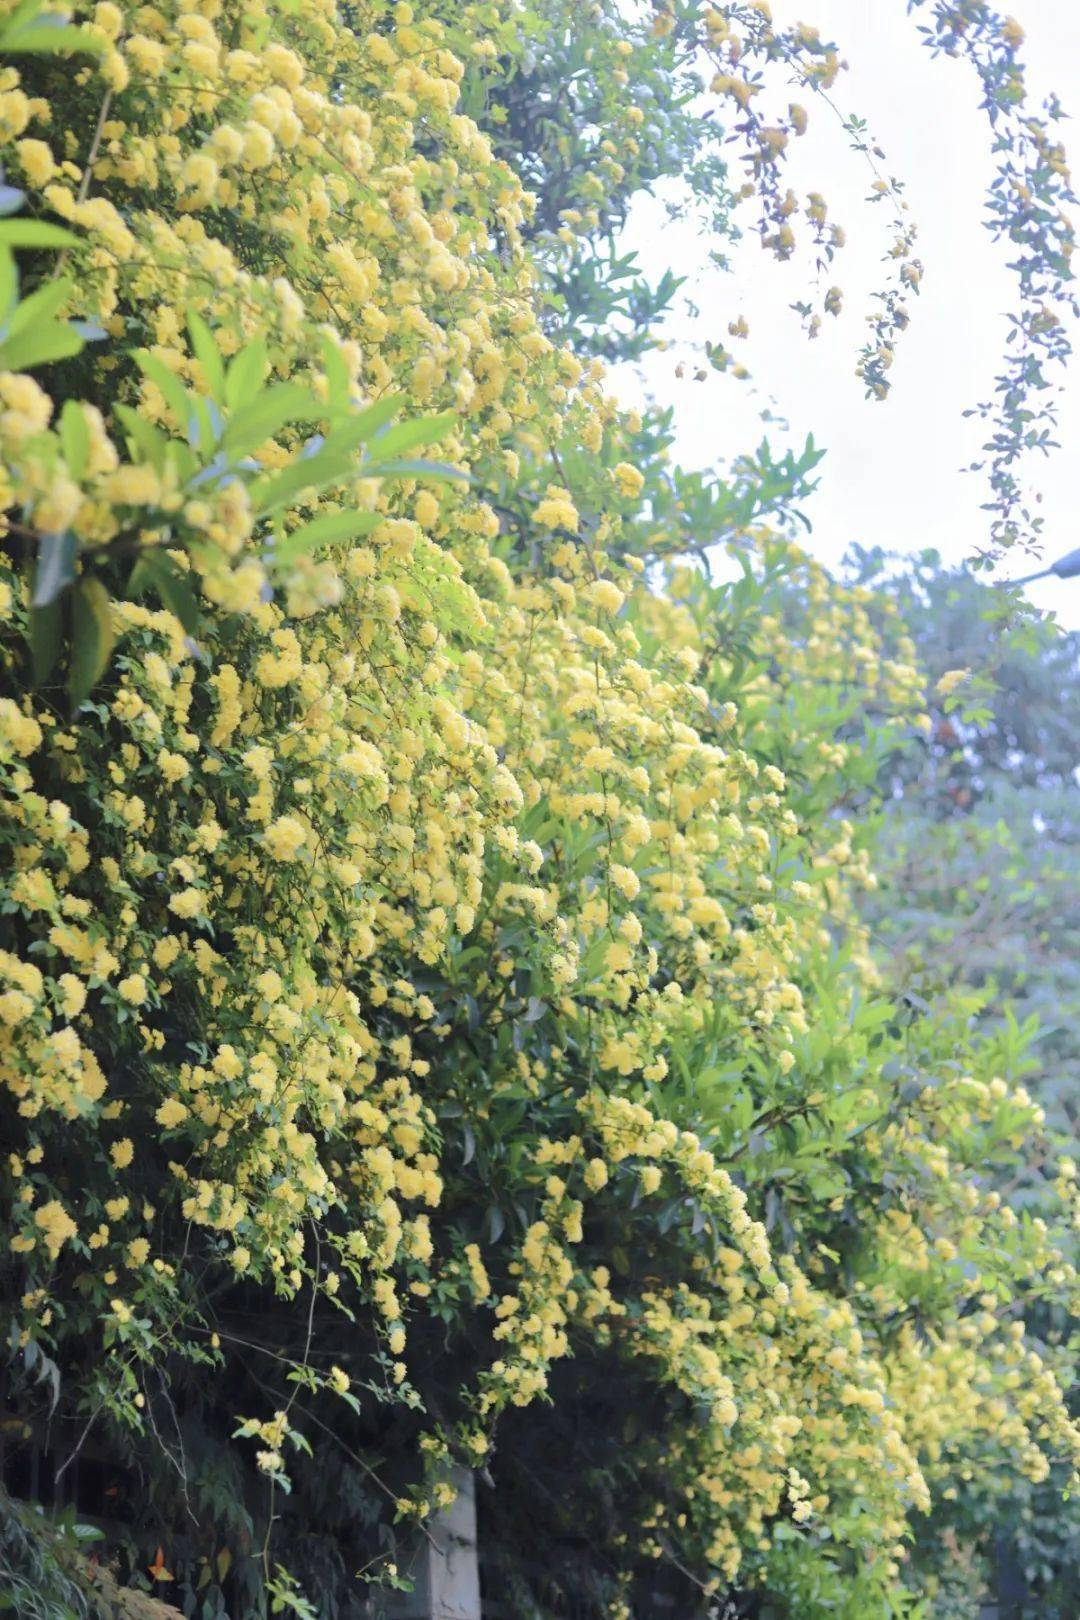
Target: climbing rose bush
<point>423,925</point>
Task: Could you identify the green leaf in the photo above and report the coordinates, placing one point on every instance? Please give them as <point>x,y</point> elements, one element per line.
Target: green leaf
<point>74,438</point>
<point>337,375</point>
<point>303,473</point>
<point>315,472</point>
<point>201,430</point>
<point>9,283</point>
<point>410,435</point>
<point>40,346</point>
<point>366,423</point>
<point>42,305</point>
<point>55,567</point>
<point>171,388</point>
<point>414,469</point>
<point>45,626</point>
<point>157,569</point>
<point>204,346</point>
<point>270,411</point>
<point>245,374</point>
<point>330,529</point>
<point>47,41</point>
<point>35,233</point>
<point>332,463</point>
<point>92,639</point>
<point>145,441</point>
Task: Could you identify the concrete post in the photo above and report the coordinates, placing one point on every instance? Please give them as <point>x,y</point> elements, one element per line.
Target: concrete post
<point>446,1575</point>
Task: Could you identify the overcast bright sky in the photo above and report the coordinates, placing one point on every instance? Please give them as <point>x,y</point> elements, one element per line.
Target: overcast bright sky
<point>891,476</point>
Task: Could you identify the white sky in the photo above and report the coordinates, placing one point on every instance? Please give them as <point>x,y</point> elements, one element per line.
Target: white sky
<point>892,474</point>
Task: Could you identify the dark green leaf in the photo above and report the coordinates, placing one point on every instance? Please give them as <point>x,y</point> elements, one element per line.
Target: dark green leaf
<point>45,626</point>
<point>92,638</point>
<point>157,569</point>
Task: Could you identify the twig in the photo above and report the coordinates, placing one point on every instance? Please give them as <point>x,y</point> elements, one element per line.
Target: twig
<point>88,169</point>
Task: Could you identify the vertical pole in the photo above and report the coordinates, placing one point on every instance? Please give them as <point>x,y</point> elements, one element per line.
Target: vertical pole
<point>445,1571</point>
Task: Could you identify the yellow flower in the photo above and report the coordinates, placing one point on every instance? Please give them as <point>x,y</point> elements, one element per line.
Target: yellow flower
<point>37,161</point>
<point>15,1007</point>
<point>607,595</point>
<point>19,731</point>
<point>628,480</point>
<point>269,985</point>
<point>951,679</point>
<point>186,903</point>
<point>557,510</point>
<point>55,1225</point>
<point>285,838</point>
<point>596,1175</point>
<point>173,767</point>
<point>171,1112</point>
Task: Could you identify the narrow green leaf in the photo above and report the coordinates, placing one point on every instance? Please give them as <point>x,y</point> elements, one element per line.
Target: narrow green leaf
<point>270,411</point>
<point>9,284</point>
<point>46,41</point>
<point>331,464</point>
<point>92,638</point>
<point>22,16</point>
<point>410,435</point>
<point>245,375</point>
<point>303,472</point>
<point>35,233</point>
<point>366,423</point>
<point>168,383</point>
<point>337,375</point>
<point>145,441</point>
<point>330,529</point>
<point>41,305</point>
<point>201,426</point>
<point>45,626</point>
<point>40,346</point>
<point>74,438</point>
<point>204,346</point>
<point>414,469</point>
